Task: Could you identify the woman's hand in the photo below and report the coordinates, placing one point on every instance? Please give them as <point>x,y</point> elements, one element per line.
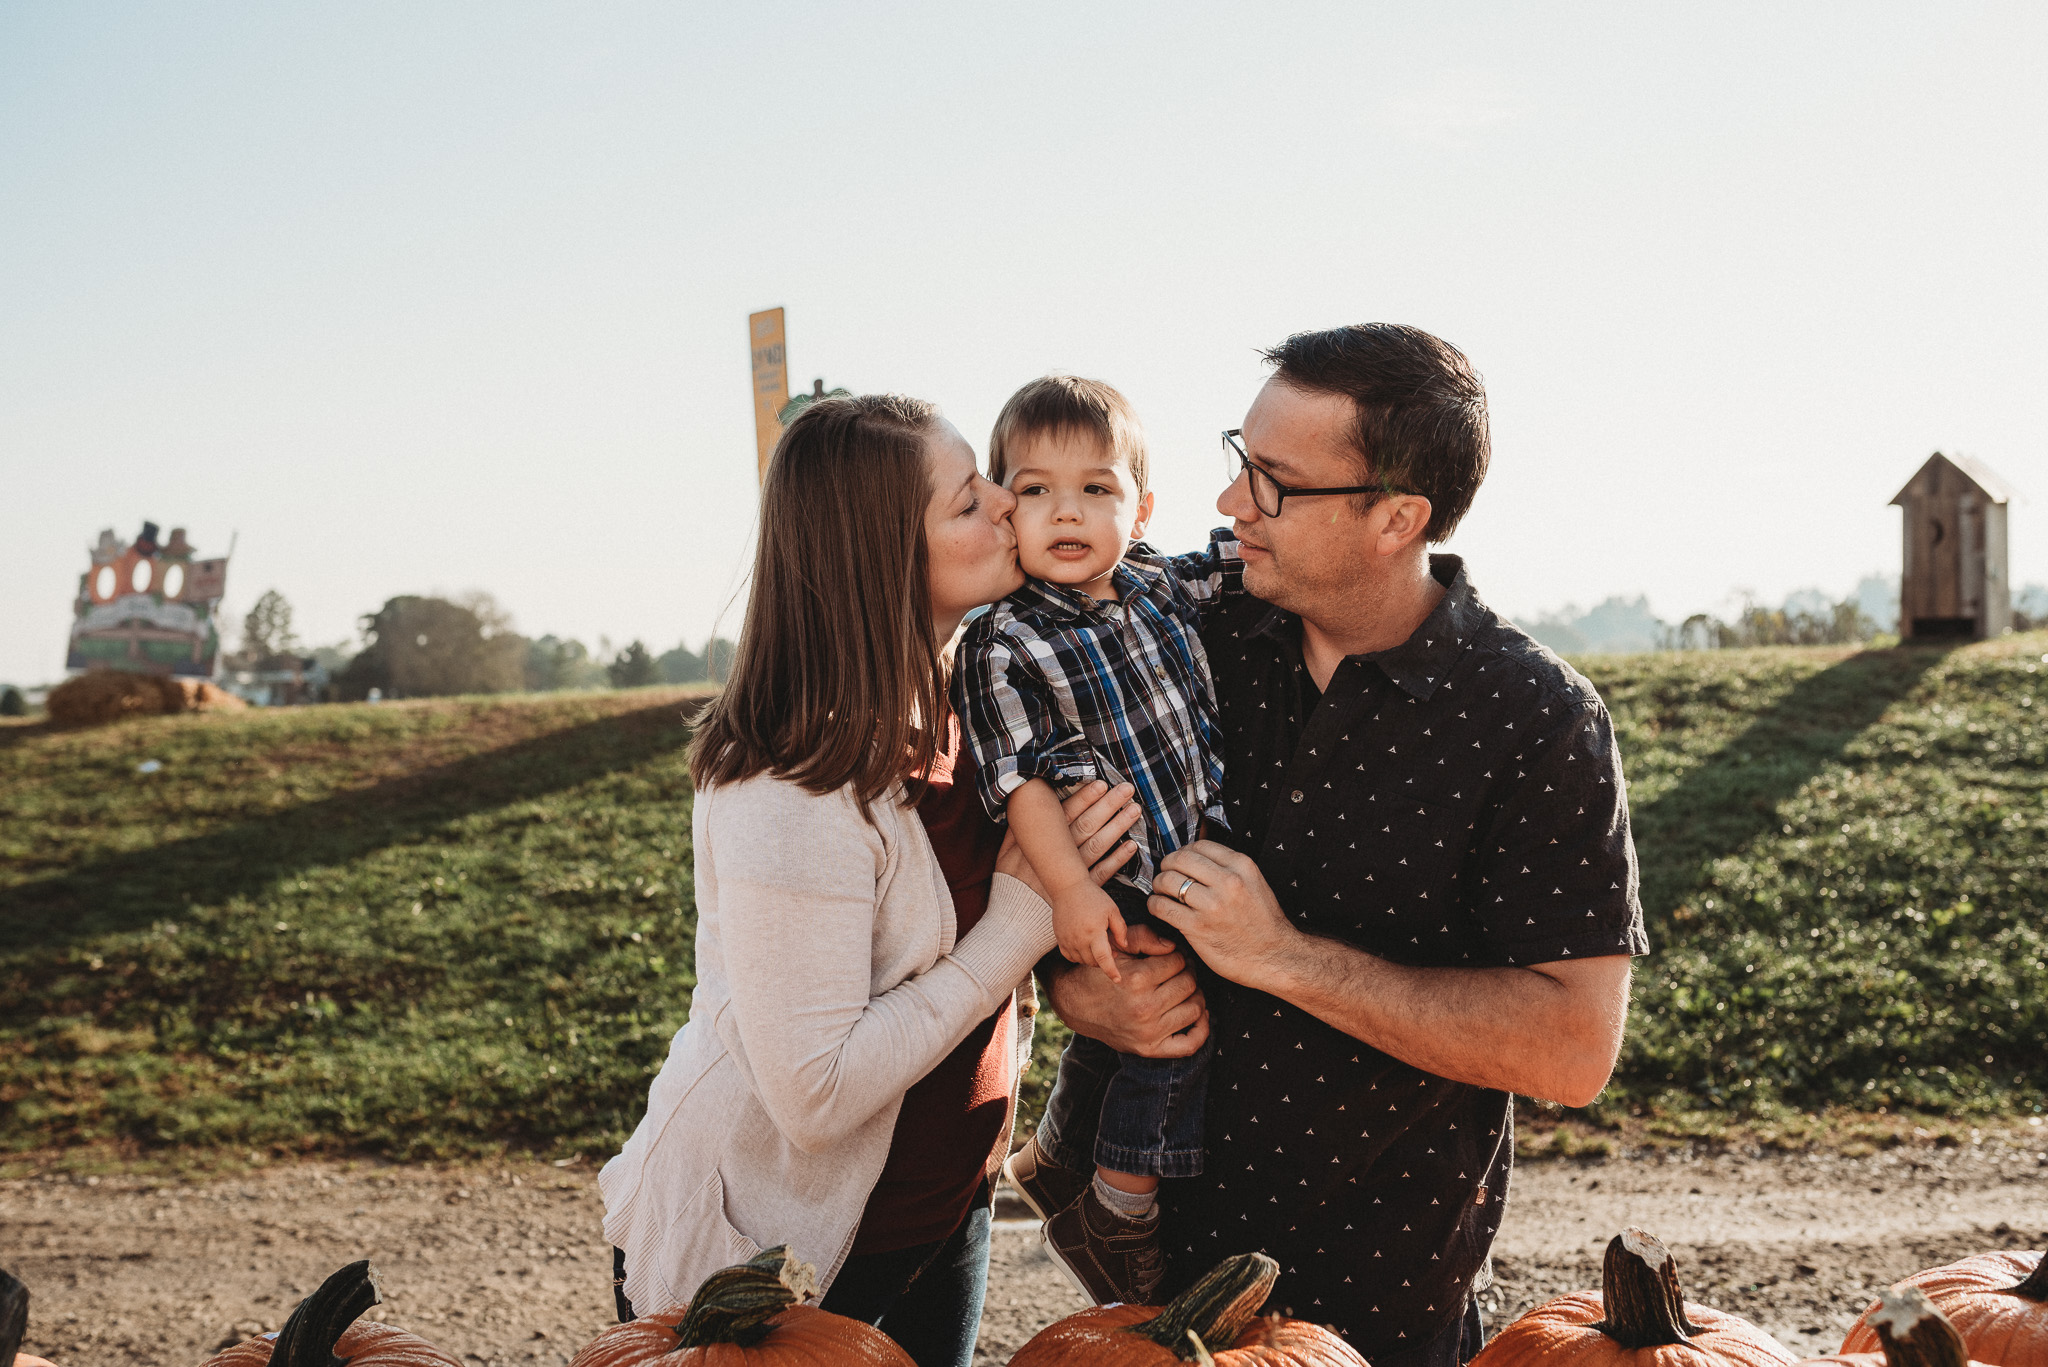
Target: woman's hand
<point>1098,816</point>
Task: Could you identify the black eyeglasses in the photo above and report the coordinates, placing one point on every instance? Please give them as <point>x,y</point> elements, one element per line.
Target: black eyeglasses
<point>1269,495</point>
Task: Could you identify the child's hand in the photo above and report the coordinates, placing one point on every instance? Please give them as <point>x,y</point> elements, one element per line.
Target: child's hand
<point>1084,918</point>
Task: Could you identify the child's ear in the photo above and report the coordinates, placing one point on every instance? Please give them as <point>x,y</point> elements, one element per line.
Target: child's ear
<point>1144,516</point>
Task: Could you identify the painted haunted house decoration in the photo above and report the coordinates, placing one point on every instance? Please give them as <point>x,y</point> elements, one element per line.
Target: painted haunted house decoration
<point>148,607</point>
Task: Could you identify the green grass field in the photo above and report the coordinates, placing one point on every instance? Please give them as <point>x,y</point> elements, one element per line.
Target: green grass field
<point>457,928</point>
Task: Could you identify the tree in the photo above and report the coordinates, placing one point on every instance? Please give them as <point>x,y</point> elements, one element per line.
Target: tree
<point>12,704</point>
<point>554,663</point>
<point>429,647</point>
<point>267,630</point>
<point>684,665</point>
<point>634,668</point>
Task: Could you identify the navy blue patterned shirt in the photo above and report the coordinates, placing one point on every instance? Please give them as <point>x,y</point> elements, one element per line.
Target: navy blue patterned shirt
<point>1056,685</point>
<point>1455,801</point>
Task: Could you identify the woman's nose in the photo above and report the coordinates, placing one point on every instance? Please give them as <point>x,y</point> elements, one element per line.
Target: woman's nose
<point>1001,502</point>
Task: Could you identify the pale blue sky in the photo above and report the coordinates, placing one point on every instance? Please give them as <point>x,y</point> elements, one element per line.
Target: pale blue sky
<point>446,296</point>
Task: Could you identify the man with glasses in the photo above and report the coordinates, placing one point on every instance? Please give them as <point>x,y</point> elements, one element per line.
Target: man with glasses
<point>1427,901</point>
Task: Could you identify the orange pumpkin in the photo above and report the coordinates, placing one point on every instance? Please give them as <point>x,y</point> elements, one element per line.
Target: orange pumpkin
<point>1220,1309</point>
<point>1998,1302</point>
<point>324,1329</point>
<point>1638,1318</point>
<point>746,1316</point>
<point>1908,1331</point>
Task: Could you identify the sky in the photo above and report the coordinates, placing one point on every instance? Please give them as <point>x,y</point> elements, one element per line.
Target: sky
<point>403,298</point>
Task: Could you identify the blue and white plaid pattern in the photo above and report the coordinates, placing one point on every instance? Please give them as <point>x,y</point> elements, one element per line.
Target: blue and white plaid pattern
<point>1053,684</point>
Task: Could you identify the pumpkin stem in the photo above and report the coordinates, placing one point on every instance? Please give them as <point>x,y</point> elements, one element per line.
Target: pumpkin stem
<point>1215,1309</point>
<point>1202,1357</point>
<point>309,1336</point>
<point>13,1316</point>
<point>1915,1334</point>
<point>735,1303</point>
<point>1639,1287</point>
<point>2035,1285</point>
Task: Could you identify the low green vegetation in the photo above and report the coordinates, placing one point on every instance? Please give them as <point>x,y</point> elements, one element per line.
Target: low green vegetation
<point>423,929</point>
<point>464,927</point>
<point>1845,869</point>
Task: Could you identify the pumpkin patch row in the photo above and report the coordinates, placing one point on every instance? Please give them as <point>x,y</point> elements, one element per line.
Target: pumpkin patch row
<point>1990,1310</point>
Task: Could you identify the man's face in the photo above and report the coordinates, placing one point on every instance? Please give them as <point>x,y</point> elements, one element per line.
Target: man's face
<point>1317,546</point>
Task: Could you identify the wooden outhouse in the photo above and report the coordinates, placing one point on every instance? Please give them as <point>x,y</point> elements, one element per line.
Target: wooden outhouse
<point>1953,583</point>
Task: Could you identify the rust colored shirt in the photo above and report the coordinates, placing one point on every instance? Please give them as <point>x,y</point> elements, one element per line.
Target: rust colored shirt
<point>958,1114</point>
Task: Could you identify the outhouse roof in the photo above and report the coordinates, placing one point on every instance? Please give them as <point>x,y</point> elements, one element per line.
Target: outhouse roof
<point>1969,467</point>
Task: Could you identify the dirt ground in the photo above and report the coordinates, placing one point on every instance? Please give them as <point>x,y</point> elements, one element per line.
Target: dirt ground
<point>506,1265</point>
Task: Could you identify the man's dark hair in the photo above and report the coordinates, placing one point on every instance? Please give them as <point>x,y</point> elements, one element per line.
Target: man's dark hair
<point>1421,410</point>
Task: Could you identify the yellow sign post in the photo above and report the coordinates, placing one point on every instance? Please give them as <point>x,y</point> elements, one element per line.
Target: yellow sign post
<point>771,381</point>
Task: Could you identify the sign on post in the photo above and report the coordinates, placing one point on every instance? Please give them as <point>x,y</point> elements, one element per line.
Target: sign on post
<point>771,382</point>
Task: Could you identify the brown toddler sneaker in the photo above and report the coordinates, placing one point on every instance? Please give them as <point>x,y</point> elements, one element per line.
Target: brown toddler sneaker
<point>1108,1255</point>
<point>1045,1186</point>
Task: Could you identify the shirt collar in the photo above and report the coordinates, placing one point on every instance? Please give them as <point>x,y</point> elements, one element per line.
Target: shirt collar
<point>1421,662</point>
<point>1141,570</point>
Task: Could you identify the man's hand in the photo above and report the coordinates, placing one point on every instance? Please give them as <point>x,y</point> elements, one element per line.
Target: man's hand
<point>1157,1011</point>
<point>1229,915</point>
<point>1548,1030</point>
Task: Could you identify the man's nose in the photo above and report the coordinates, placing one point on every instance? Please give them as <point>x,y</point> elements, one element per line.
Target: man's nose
<point>1236,502</point>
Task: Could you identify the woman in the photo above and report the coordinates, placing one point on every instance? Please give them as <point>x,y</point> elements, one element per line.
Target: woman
<point>865,937</point>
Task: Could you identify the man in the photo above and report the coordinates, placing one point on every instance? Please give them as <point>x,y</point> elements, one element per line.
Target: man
<point>1426,900</point>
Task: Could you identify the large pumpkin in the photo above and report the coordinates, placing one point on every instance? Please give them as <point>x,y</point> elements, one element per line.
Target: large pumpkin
<point>1638,1318</point>
<point>324,1329</point>
<point>1998,1302</point>
<point>1907,1331</point>
<point>1214,1321</point>
<point>746,1316</point>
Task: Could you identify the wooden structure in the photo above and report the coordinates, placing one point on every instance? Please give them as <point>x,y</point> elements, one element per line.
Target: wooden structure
<point>1953,583</point>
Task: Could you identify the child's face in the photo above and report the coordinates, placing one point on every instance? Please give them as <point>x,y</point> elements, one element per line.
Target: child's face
<point>1077,509</point>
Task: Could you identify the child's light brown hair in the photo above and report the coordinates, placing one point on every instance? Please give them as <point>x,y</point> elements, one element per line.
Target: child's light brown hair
<point>1068,403</point>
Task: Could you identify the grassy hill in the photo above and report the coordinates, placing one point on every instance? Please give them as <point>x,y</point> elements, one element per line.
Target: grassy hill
<point>458,927</point>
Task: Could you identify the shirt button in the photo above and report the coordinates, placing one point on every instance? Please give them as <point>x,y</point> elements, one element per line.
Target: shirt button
<point>1294,796</point>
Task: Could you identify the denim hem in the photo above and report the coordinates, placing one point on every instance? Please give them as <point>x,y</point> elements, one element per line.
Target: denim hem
<point>1056,1150</point>
<point>1148,1162</point>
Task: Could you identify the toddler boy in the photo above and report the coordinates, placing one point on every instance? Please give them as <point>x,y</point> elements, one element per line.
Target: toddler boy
<point>1094,669</point>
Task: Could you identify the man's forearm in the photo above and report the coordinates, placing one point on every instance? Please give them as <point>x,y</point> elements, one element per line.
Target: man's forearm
<point>1551,1031</point>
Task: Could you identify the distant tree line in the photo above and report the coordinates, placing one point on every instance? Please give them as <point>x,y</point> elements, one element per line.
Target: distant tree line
<point>422,646</point>
<point>1807,617</point>
<point>1843,623</point>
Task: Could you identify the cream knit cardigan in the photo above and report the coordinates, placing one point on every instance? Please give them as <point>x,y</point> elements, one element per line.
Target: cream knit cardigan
<point>828,981</point>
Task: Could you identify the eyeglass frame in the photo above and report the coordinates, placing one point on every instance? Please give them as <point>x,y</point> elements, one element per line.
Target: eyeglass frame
<point>1233,438</point>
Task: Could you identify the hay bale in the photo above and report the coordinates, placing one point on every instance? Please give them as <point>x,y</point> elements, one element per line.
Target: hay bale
<point>109,695</point>
<point>201,696</point>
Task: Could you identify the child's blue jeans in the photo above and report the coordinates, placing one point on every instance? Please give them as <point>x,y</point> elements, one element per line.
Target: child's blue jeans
<point>1145,1114</point>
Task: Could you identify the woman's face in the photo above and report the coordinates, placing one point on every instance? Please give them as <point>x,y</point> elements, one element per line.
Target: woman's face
<point>970,543</point>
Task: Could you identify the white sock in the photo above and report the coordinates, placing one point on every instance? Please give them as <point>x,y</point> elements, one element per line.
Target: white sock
<point>1135,1204</point>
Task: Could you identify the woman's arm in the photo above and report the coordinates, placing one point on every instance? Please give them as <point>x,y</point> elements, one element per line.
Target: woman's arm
<point>798,882</point>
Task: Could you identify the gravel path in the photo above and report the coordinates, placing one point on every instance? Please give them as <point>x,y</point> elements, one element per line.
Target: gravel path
<point>505,1265</point>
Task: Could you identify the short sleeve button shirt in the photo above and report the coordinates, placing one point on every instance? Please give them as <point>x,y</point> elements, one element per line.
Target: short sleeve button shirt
<point>1455,801</point>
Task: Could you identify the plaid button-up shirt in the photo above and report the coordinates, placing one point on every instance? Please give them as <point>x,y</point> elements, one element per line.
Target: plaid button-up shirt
<point>1053,684</point>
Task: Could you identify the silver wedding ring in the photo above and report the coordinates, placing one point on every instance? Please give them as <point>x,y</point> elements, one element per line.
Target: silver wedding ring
<point>1185,884</point>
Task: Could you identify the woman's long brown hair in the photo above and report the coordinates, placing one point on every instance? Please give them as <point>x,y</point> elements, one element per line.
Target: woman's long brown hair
<point>837,679</point>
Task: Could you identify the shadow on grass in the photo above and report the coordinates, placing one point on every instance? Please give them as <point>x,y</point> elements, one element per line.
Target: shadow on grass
<point>127,891</point>
<point>1719,808</point>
